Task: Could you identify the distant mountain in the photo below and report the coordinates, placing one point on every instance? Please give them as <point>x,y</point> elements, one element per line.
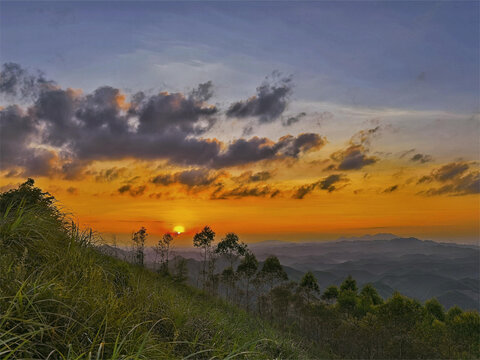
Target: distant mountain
<point>368,237</point>
<point>421,269</point>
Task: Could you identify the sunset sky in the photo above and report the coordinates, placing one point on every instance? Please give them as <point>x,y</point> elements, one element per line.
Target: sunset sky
<point>296,121</point>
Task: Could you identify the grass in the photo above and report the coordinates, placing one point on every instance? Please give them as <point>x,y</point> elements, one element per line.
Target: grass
<point>62,299</point>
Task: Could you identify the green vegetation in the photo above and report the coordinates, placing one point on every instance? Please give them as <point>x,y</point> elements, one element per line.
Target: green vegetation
<point>60,298</point>
<point>345,322</point>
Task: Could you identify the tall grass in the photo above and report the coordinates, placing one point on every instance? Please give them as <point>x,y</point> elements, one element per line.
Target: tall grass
<point>62,299</point>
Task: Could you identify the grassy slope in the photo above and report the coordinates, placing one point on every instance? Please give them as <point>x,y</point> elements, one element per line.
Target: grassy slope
<point>63,299</point>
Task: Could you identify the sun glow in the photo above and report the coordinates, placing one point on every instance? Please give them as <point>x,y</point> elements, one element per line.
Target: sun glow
<point>179,229</point>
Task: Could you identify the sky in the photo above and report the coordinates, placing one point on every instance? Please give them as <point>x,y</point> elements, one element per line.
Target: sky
<point>298,121</point>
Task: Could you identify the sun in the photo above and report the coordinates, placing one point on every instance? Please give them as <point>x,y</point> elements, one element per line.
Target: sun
<point>179,229</point>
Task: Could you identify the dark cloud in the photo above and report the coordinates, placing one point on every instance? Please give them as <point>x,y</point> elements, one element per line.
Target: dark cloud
<point>163,179</point>
<point>131,190</point>
<point>196,177</point>
<point>190,178</point>
<point>111,174</point>
<point>260,176</point>
<point>245,191</point>
<point>268,104</point>
<point>422,158</point>
<point>355,156</point>
<point>16,81</point>
<point>175,111</point>
<point>457,178</point>
<point>425,179</point>
<point>249,177</point>
<point>18,130</point>
<point>330,184</point>
<point>405,153</point>
<point>293,119</point>
<point>391,189</point>
<point>105,125</point>
<point>203,92</point>
<point>255,149</point>
<point>450,171</point>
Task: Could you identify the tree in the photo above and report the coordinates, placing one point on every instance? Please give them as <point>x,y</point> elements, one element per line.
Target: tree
<point>370,294</point>
<point>247,270</point>
<point>330,294</point>
<point>347,298</point>
<point>138,240</point>
<point>281,298</point>
<point>204,240</point>
<point>163,249</point>
<point>272,271</point>
<point>229,277</point>
<point>180,271</point>
<point>347,301</point>
<point>231,247</point>
<point>349,284</point>
<point>309,285</point>
<point>28,195</point>
<point>368,299</point>
<point>212,279</point>
<point>434,308</point>
<point>453,312</point>
<point>465,331</point>
<point>398,315</point>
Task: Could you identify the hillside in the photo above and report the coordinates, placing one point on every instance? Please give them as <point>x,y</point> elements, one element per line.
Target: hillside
<point>62,299</point>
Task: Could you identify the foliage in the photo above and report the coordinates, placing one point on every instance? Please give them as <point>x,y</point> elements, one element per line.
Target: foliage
<point>138,239</point>
<point>63,299</point>
<point>349,284</point>
<point>247,269</point>
<point>231,247</point>
<point>309,283</point>
<point>330,294</point>
<point>272,271</point>
<point>204,240</point>
<point>27,195</point>
<point>162,249</point>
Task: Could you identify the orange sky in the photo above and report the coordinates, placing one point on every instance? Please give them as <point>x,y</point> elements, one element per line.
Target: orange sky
<point>362,206</point>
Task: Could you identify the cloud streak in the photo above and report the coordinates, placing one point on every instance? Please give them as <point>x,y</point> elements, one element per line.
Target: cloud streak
<point>456,178</point>
<point>329,183</point>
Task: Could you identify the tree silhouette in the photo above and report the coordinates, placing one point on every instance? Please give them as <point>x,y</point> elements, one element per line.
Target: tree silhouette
<point>349,284</point>
<point>162,248</point>
<point>434,308</point>
<point>138,240</point>
<point>28,195</point>
<point>272,271</point>
<point>247,270</point>
<point>309,285</point>
<point>228,277</point>
<point>369,293</point>
<point>204,240</point>
<point>231,247</point>
<point>330,294</point>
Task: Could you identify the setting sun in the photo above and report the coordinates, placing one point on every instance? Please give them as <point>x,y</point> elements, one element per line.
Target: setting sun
<point>179,229</point>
